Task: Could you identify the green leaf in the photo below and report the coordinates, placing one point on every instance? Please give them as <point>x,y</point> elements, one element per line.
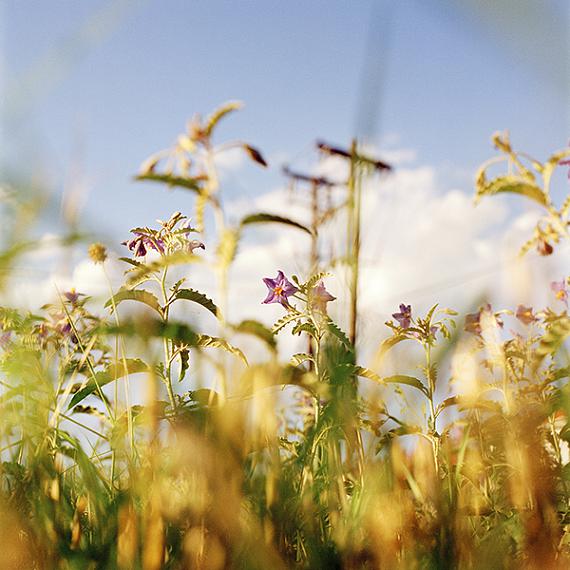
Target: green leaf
<point>196,297</point>
<point>264,218</point>
<point>315,279</point>
<point>110,374</point>
<point>406,380</point>
<point>205,341</point>
<point>552,339</point>
<point>448,402</point>
<point>188,183</point>
<point>205,397</point>
<point>144,272</point>
<point>219,114</point>
<point>301,357</point>
<point>308,328</point>
<point>513,185</point>
<point>153,328</point>
<point>284,321</point>
<point>130,261</point>
<point>367,373</point>
<point>388,343</point>
<point>551,165</point>
<point>339,334</point>
<point>139,295</point>
<point>257,329</point>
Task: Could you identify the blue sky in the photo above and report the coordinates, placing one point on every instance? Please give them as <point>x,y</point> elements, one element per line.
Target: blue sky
<point>436,77</point>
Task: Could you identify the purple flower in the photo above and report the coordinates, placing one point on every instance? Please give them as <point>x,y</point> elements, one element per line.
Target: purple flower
<point>280,289</point>
<point>72,296</point>
<point>473,320</point>
<point>525,315</point>
<point>320,297</point>
<point>561,291</point>
<point>404,317</point>
<point>140,244</point>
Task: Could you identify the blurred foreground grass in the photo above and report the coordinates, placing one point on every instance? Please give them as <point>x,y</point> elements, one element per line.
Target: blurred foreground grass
<point>221,478</point>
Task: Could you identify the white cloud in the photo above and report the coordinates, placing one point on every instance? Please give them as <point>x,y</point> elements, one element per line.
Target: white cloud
<point>422,244</point>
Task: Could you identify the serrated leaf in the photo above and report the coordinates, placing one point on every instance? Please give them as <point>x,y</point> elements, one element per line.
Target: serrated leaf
<point>513,185</point>
<point>300,357</point>
<point>219,114</point>
<point>407,381</point>
<point>265,218</point>
<point>255,328</point>
<point>205,341</point>
<point>130,261</point>
<point>367,373</point>
<point>110,374</point>
<point>186,182</point>
<point>284,321</point>
<point>304,327</point>
<point>339,334</point>
<point>196,297</point>
<point>139,295</point>
<point>316,278</point>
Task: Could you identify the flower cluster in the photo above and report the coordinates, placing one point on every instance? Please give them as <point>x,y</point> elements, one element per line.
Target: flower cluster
<point>170,237</point>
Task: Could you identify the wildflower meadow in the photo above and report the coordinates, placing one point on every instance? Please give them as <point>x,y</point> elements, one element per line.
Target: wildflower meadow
<point>132,436</point>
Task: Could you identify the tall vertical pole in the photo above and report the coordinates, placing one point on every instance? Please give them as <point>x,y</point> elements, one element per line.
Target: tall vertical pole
<point>355,192</point>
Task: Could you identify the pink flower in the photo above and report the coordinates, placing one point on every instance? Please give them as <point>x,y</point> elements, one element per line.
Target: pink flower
<point>320,297</point>
<point>280,289</point>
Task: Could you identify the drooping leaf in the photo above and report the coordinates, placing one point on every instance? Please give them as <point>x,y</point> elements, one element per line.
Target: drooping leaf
<point>300,357</point>
<point>255,328</point>
<point>388,343</point>
<point>205,341</point>
<point>130,261</point>
<point>196,297</point>
<point>139,295</point>
<point>407,381</point>
<point>367,373</point>
<point>511,184</point>
<point>110,374</point>
<point>194,184</point>
<point>219,114</point>
<point>448,402</point>
<point>265,218</point>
